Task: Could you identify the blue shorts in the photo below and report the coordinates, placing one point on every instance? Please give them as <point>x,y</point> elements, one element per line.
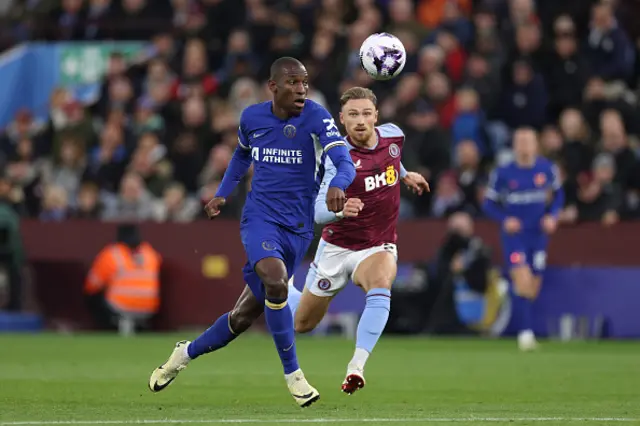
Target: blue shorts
<point>262,239</point>
<point>527,248</point>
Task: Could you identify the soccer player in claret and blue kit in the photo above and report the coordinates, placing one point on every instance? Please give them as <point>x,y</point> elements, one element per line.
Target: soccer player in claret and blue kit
<point>525,197</point>
<point>359,242</point>
<point>286,140</point>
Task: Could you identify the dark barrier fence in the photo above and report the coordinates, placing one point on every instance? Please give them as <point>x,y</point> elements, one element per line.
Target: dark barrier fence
<point>201,275</point>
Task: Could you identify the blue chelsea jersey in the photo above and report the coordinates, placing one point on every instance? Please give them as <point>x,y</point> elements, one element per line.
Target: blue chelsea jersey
<point>287,157</point>
<point>527,193</point>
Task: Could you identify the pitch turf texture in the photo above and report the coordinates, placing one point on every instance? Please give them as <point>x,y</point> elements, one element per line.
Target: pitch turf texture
<point>100,379</point>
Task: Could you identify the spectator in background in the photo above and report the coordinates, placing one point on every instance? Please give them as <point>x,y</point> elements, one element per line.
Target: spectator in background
<point>12,256</point>
<point>24,126</point>
<point>578,149</point>
<point>438,90</point>
<point>485,81</point>
<point>568,70</point>
<point>448,197</point>
<point>219,159</point>
<point>471,177</point>
<point>55,204</point>
<point>432,12</point>
<point>68,168</point>
<point>149,161</point>
<point>474,71</point>
<point>146,118</point>
<point>88,204</point>
<point>463,266</point>
<point>611,53</point>
<point>551,143</point>
<point>195,78</point>
<point>598,196</point>
<point>524,99</point>
<point>70,19</point>
<point>455,55</point>
<point>176,206</point>
<point>616,143</point>
<point>528,46</point>
<point>469,120</point>
<point>402,17</point>
<point>430,60</point>
<point>107,161</point>
<point>134,203</point>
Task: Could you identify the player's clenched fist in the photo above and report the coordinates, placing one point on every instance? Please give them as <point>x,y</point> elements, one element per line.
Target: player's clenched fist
<point>213,207</point>
<point>335,199</point>
<point>549,224</point>
<point>352,207</point>
<point>512,225</point>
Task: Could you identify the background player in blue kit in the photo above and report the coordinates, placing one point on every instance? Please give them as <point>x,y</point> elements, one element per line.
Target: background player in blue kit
<point>286,140</point>
<point>525,196</point>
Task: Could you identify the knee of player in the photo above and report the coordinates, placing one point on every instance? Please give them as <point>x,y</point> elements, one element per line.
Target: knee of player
<point>377,283</point>
<point>276,287</point>
<point>523,282</point>
<point>239,322</point>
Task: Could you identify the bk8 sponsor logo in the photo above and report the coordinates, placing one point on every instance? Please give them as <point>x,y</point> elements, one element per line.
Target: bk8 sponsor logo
<point>386,178</point>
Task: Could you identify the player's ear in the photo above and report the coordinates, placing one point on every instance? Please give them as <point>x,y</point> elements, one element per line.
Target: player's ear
<point>376,116</point>
<point>272,86</point>
<point>341,118</point>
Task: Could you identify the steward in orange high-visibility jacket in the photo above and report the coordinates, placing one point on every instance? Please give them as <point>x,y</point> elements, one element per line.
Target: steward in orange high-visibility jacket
<point>124,279</point>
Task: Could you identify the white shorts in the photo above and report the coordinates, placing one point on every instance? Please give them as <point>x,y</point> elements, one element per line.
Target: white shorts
<point>334,266</point>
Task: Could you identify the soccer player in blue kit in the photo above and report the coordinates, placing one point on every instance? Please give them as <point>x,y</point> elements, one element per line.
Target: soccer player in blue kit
<point>526,197</point>
<point>287,140</point>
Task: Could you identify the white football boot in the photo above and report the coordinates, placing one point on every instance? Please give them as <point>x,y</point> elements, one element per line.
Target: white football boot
<point>303,393</point>
<point>167,372</point>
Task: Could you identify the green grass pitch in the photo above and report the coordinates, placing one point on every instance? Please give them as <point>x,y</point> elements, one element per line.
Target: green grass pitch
<point>102,379</point>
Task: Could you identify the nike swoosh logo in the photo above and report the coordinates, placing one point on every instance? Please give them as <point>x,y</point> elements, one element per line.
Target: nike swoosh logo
<point>289,348</point>
<point>157,387</point>
<point>258,135</point>
<point>307,395</point>
<point>358,164</point>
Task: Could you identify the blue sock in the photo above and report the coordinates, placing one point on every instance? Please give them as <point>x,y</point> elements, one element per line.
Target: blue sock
<point>525,312</point>
<point>280,322</point>
<point>293,300</point>
<point>374,318</point>
<point>215,337</point>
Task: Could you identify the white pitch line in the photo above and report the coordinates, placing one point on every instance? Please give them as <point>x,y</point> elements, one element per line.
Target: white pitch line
<point>352,420</point>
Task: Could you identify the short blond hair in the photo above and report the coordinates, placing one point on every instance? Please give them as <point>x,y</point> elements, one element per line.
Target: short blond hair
<point>358,93</point>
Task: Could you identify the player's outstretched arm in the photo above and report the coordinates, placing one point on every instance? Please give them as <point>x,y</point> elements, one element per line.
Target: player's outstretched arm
<point>237,169</point>
<point>491,205</point>
<point>549,221</point>
<point>558,194</point>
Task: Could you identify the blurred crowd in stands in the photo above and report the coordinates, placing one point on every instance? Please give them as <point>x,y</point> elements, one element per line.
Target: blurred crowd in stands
<point>158,139</point>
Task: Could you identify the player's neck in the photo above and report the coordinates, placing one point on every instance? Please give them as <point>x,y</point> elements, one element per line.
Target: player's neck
<point>368,144</point>
<point>279,112</point>
<point>526,162</point>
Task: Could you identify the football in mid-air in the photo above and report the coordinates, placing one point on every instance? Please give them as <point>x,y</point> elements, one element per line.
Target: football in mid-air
<point>382,56</point>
